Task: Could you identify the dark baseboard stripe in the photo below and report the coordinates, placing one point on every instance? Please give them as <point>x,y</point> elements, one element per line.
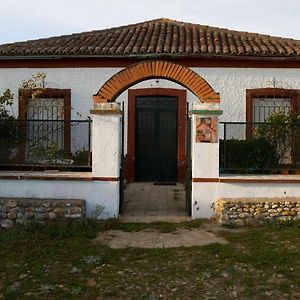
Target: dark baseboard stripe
<point>28,177</point>
<point>106,178</point>
<point>257,180</point>
<point>54,177</point>
<point>205,180</point>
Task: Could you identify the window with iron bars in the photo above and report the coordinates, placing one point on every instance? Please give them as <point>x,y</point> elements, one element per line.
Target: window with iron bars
<point>46,124</point>
<point>264,102</point>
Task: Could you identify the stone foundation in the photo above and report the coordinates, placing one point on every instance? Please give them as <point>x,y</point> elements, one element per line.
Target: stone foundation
<point>22,211</point>
<point>255,211</point>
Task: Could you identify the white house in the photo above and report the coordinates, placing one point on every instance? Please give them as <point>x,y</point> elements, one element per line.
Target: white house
<point>156,68</point>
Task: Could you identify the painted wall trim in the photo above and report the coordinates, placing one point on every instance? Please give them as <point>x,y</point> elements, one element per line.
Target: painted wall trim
<point>248,179</point>
<point>106,178</point>
<point>105,112</point>
<point>205,180</point>
<point>207,112</point>
<point>260,180</point>
<point>80,176</point>
<point>45,177</point>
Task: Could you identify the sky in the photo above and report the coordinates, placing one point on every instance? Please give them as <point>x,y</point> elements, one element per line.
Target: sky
<point>22,20</point>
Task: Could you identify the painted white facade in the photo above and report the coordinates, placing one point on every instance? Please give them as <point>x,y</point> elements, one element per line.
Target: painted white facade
<point>207,185</point>
<point>205,157</point>
<point>106,145</point>
<point>101,197</point>
<point>231,83</point>
<point>206,193</point>
<point>100,189</point>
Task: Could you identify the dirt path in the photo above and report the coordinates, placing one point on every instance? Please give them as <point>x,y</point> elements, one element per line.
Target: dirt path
<point>151,238</point>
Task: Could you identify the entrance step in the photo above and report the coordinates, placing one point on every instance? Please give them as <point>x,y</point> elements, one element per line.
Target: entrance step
<point>146,202</point>
<point>151,219</point>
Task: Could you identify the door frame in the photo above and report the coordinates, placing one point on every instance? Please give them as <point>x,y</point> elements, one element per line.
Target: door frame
<point>131,129</point>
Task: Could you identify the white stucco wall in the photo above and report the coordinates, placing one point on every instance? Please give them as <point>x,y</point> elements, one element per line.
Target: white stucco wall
<point>102,196</point>
<point>231,83</point>
<point>203,195</point>
<point>206,193</point>
<point>106,145</point>
<point>83,82</point>
<point>105,195</point>
<point>205,156</point>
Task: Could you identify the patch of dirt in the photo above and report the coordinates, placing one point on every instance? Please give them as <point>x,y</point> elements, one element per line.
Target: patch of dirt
<point>156,239</point>
<point>212,226</point>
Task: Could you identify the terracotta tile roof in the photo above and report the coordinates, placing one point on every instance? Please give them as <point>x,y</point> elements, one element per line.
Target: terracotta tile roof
<point>157,37</point>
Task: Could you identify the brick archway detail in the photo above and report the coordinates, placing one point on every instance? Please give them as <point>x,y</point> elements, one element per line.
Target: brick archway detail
<point>136,73</point>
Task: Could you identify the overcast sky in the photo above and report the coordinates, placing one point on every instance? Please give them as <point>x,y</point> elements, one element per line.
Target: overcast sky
<point>31,19</point>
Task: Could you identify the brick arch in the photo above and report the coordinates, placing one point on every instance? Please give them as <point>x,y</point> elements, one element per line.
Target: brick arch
<point>136,73</point>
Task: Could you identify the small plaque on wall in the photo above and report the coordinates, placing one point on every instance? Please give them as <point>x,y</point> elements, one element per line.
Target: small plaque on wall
<point>206,129</point>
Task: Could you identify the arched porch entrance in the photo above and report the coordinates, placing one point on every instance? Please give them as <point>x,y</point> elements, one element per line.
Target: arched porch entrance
<point>156,136</point>
<point>136,73</point>
<point>143,71</point>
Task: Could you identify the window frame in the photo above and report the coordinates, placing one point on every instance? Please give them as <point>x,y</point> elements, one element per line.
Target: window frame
<point>48,93</point>
<point>293,94</point>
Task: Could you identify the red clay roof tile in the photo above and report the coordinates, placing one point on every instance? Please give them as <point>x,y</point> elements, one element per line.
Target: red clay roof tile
<point>157,37</point>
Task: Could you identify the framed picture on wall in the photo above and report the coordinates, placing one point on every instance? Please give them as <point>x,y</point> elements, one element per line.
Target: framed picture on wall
<point>206,130</point>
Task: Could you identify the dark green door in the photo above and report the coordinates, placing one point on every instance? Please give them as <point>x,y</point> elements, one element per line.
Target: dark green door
<point>156,138</point>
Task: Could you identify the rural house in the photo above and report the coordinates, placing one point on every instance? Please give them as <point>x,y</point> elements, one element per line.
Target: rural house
<point>159,101</point>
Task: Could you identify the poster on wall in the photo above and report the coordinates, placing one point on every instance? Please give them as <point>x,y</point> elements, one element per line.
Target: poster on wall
<point>206,129</point>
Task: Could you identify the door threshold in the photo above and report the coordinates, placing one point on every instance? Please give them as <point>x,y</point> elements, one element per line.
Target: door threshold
<point>154,219</point>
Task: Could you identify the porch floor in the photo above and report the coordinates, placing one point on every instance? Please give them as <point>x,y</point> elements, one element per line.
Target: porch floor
<point>146,202</point>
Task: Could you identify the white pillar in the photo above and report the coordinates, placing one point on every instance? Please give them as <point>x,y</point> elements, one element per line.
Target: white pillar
<point>205,158</point>
<point>106,156</point>
<point>106,143</point>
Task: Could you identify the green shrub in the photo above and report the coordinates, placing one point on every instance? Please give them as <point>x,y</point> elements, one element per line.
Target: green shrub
<point>81,157</point>
<point>248,156</point>
<point>10,133</point>
<point>282,131</point>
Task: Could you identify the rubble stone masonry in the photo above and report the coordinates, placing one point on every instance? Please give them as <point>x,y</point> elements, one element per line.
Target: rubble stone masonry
<point>24,210</point>
<point>254,211</point>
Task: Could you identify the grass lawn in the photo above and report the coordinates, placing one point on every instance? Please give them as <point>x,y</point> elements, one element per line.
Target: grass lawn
<point>61,262</point>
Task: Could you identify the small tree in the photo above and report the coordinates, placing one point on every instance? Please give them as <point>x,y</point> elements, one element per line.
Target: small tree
<point>9,129</point>
<point>6,100</point>
<point>35,84</point>
<point>282,131</point>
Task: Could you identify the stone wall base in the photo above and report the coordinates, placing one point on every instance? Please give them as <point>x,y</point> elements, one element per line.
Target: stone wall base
<point>22,210</point>
<point>254,211</point>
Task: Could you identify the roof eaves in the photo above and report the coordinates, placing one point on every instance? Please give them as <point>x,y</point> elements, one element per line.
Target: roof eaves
<point>152,56</point>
